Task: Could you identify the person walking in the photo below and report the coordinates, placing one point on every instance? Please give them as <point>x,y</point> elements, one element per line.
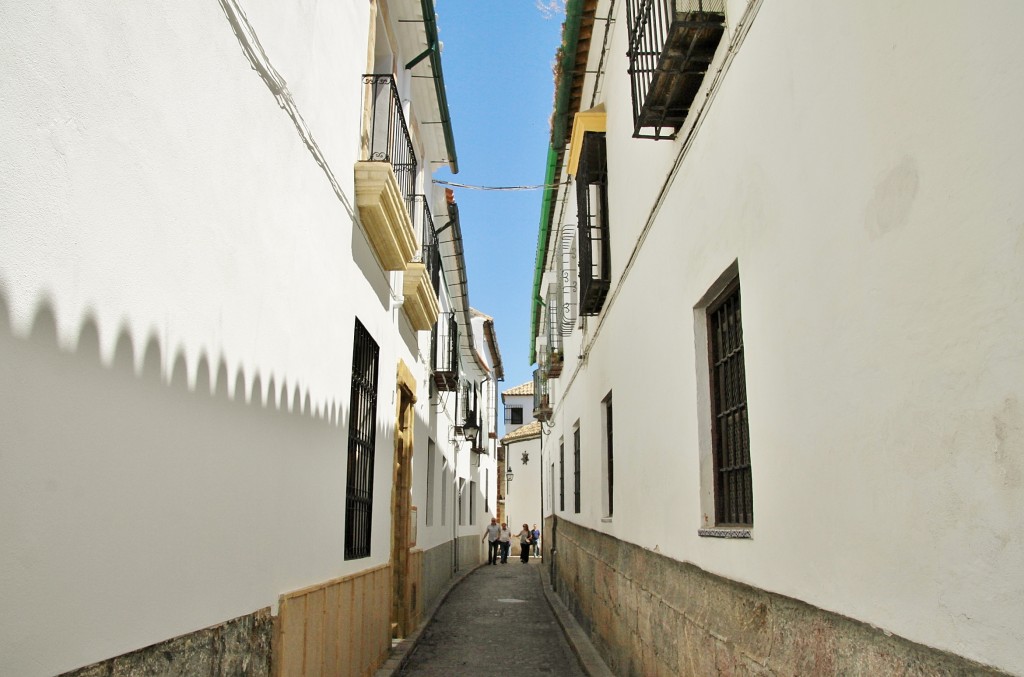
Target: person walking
<point>491,535</point>
<point>536,541</point>
<point>505,541</point>
<point>524,544</point>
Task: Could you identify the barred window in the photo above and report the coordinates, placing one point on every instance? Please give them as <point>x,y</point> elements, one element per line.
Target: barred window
<point>592,212</point>
<point>561,474</point>
<point>576,466</point>
<point>734,503</point>
<point>362,436</point>
<point>609,460</point>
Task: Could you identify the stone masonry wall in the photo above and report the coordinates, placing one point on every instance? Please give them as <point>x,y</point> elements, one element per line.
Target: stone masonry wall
<point>240,647</point>
<point>437,571</point>
<point>651,615</point>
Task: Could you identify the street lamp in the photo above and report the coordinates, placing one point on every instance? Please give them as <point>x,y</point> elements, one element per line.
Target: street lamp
<point>470,431</point>
<point>508,475</point>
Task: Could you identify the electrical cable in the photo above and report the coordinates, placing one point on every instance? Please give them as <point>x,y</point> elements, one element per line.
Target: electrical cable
<point>468,186</point>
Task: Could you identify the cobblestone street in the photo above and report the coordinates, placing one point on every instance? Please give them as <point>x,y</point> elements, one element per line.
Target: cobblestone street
<point>495,621</point>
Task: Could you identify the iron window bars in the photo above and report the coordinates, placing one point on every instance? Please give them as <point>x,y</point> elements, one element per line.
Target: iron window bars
<point>592,211</point>
<point>389,136</point>
<point>610,454</point>
<point>561,475</point>
<point>577,502</point>
<point>671,45</point>
<point>444,351</point>
<point>362,435</point>
<point>734,502</point>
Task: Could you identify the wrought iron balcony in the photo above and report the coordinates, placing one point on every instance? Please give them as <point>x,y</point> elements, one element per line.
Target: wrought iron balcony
<point>444,350</point>
<point>431,251</point>
<point>541,398</point>
<point>388,134</point>
<point>554,330</point>
<point>671,45</point>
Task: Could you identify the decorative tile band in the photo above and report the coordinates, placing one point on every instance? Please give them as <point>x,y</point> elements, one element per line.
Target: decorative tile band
<point>724,533</point>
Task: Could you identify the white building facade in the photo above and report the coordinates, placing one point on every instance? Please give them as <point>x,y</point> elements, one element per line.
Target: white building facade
<point>220,293</point>
<point>521,457</point>
<point>777,310</point>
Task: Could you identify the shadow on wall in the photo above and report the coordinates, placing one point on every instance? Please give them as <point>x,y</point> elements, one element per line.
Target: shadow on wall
<point>149,365</point>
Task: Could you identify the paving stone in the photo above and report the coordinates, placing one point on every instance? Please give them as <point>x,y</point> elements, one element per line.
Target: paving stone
<point>496,619</point>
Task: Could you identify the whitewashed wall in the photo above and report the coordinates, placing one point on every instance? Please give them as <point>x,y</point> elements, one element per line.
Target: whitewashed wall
<point>860,165</point>
<point>155,190</point>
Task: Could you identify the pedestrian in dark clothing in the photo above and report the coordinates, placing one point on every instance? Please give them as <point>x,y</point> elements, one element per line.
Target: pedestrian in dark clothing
<point>524,544</point>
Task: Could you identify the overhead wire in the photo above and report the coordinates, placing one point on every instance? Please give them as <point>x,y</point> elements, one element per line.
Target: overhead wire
<point>470,186</point>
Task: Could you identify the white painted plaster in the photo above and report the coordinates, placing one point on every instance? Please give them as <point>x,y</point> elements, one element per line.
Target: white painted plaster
<point>858,170</point>
<point>185,230</point>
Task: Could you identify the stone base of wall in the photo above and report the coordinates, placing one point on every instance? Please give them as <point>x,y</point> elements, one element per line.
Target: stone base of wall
<point>437,571</point>
<point>651,615</point>
<point>239,647</point>
<point>471,552</point>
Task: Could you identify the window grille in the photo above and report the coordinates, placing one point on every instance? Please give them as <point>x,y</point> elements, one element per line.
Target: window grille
<point>576,469</point>
<point>569,277</point>
<point>734,503</point>
<point>610,455</point>
<point>514,415</point>
<point>362,435</point>
<point>592,211</point>
<point>561,475</point>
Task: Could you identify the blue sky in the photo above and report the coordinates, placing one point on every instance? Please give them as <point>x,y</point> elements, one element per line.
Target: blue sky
<point>497,63</point>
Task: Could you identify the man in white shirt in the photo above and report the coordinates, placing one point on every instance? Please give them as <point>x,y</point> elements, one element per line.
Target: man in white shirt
<point>505,539</point>
<point>491,534</point>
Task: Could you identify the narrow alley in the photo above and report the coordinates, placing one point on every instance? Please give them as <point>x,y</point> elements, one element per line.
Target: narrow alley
<point>496,619</point>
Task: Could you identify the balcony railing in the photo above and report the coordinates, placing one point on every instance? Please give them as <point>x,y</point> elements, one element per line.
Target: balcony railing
<point>431,251</point>
<point>389,138</point>
<point>541,398</point>
<point>671,45</point>
<point>554,330</point>
<point>444,350</point>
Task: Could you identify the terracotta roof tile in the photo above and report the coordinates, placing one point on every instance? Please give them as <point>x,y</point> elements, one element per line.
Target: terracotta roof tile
<point>523,389</point>
<point>528,431</point>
